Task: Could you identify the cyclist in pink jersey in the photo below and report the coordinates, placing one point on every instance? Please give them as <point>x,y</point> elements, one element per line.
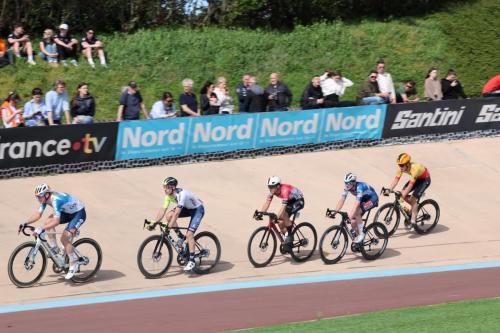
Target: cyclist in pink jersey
<point>292,202</point>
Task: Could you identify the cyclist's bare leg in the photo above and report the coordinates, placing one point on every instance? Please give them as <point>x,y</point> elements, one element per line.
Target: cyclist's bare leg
<point>356,221</point>
<point>68,247</point>
<point>284,223</point>
<point>168,217</point>
<point>51,237</point>
<point>190,241</point>
<point>413,201</point>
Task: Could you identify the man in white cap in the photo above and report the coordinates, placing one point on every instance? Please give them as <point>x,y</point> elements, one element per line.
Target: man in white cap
<point>66,46</point>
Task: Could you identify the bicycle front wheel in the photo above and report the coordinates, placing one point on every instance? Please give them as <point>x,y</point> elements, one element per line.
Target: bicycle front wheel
<point>262,247</point>
<point>207,253</point>
<point>333,244</point>
<point>154,257</point>
<point>389,216</point>
<point>26,266</point>
<point>427,216</point>
<point>89,257</point>
<point>375,241</point>
<point>304,241</point>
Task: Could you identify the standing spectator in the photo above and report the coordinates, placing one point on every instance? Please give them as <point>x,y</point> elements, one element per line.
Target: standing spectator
<point>312,97</point>
<point>35,110</point>
<point>451,87</point>
<point>165,108</point>
<point>279,97</point>
<point>89,44</point>
<point>222,92</point>
<point>432,86</point>
<point>11,115</point>
<point>4,54</point>
<point>21,44</point>
<point>83,105</point>
<point>492,87</point>
<point>48,48</point>
<point>385,83</point>
<point>407,90</point>
<point>187,100</point>
<point>131,104</point>
<point>56,103</point>
<point>209,104</point>
<point>255,101</point>
<point>241,92</point>
<point>66,46</point>
<point>369,93</point>
<point>333,86</point>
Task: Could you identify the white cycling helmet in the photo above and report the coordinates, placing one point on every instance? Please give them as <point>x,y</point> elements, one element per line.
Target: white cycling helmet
<point>41,189</point>
<point>349,178</point>
<point>273,181</point>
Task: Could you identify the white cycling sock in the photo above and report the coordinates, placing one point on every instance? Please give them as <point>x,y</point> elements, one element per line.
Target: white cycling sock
<point>360,228</point>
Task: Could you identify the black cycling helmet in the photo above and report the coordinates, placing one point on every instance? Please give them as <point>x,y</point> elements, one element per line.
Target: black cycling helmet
<point>170,181</point>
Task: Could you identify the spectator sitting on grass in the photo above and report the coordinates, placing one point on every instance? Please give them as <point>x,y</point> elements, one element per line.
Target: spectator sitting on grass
<point>35,110</point>
<point>369,93</point>
<point>11,115</point>
<point>4,54</point>
<point>56,102</point>
<point>131,104</point>
<point>451,87</point>
<point>90,44</point>
<point>165,108</point>
<point>432,86</point>
<point>21,44</point>
<point>48,48</point>
<point>209,104</point>
<point>333,86</point>
<point>83,105</point>
<point>407,90</point>
<point>187,100</point>
<point>312,97</point>
<point>66,46</point>
<point>385,82</point>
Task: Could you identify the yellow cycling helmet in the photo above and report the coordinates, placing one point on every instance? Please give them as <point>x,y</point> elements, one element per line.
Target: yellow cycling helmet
<point>403,158</point>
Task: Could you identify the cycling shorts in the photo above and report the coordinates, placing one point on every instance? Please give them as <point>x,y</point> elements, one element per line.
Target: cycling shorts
<point>294,205</point>
<point>369,203</point>
<point>74,220</point>
<point>419,187</point>
<point>196,215</point>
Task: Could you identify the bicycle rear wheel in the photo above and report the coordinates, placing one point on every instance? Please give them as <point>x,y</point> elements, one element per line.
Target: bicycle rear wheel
<point>207,253</point>
<point>304,241</point>
<point>26,267</point>
<point>154,257</point>
<point>261,247</point>
<point>89,257</point>
<point>333,244</point>
<point>427,216</point>
<point>375,241</point>
<point>389,216</point>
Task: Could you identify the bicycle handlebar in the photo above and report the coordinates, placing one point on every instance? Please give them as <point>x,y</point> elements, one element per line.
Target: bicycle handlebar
<point>258,215</point>
<point>332,212</point>
<point>396,193</point>
<point>22,228</point>
<point>152,225</point>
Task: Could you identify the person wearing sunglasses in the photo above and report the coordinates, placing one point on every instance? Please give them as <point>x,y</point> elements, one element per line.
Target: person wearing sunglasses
<point>369,93</point>
<point>292,202</point>
<point>91,44</point>
<point>407,93</point>
<point>420,179</point>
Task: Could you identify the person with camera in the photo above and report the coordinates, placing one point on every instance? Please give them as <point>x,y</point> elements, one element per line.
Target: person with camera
<point>279,96</point>
<point>165,108</point>
<point>451,87</point>
<point>35,110</point>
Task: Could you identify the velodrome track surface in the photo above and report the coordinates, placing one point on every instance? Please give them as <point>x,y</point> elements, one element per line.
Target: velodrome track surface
<point>464,175</point>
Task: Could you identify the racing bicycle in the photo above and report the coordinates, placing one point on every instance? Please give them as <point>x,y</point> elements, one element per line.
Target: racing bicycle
<point>155,253</point>
<point>390,214</point>
<point>334,242</point>
<point>28,261</point>
<point>263,243</point>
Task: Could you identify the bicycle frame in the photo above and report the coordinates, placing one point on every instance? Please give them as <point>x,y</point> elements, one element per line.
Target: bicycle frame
<point>273,220</point>
<point>40,242</point>
<point>345,220</point>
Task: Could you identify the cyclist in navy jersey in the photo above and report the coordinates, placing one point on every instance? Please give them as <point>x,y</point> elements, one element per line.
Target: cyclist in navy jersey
<point>366,199</point>
<point>292,202</point>
<point>67,210</point>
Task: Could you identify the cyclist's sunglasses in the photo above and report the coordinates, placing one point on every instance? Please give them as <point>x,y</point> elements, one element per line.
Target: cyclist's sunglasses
<point>402,165</point>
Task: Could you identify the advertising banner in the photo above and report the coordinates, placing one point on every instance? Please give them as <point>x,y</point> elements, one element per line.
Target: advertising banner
<point>184,136</point>
<point>35,146</point>
<point>442,117</point>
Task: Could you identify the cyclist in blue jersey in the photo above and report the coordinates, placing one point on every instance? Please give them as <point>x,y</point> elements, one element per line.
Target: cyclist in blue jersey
<point>366,199</point>
<point>67,210</point>
<point>186,205</point>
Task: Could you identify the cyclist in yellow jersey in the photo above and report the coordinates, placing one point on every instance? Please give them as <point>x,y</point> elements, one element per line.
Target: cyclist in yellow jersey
<point>420,179</point>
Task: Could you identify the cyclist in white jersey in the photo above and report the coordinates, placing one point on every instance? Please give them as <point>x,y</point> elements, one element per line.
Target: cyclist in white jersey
<point>188,205</point>
<point>67,210</point>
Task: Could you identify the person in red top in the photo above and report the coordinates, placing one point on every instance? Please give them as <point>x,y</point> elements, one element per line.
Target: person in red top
<point>492,87</point>
<point>292,202</point>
